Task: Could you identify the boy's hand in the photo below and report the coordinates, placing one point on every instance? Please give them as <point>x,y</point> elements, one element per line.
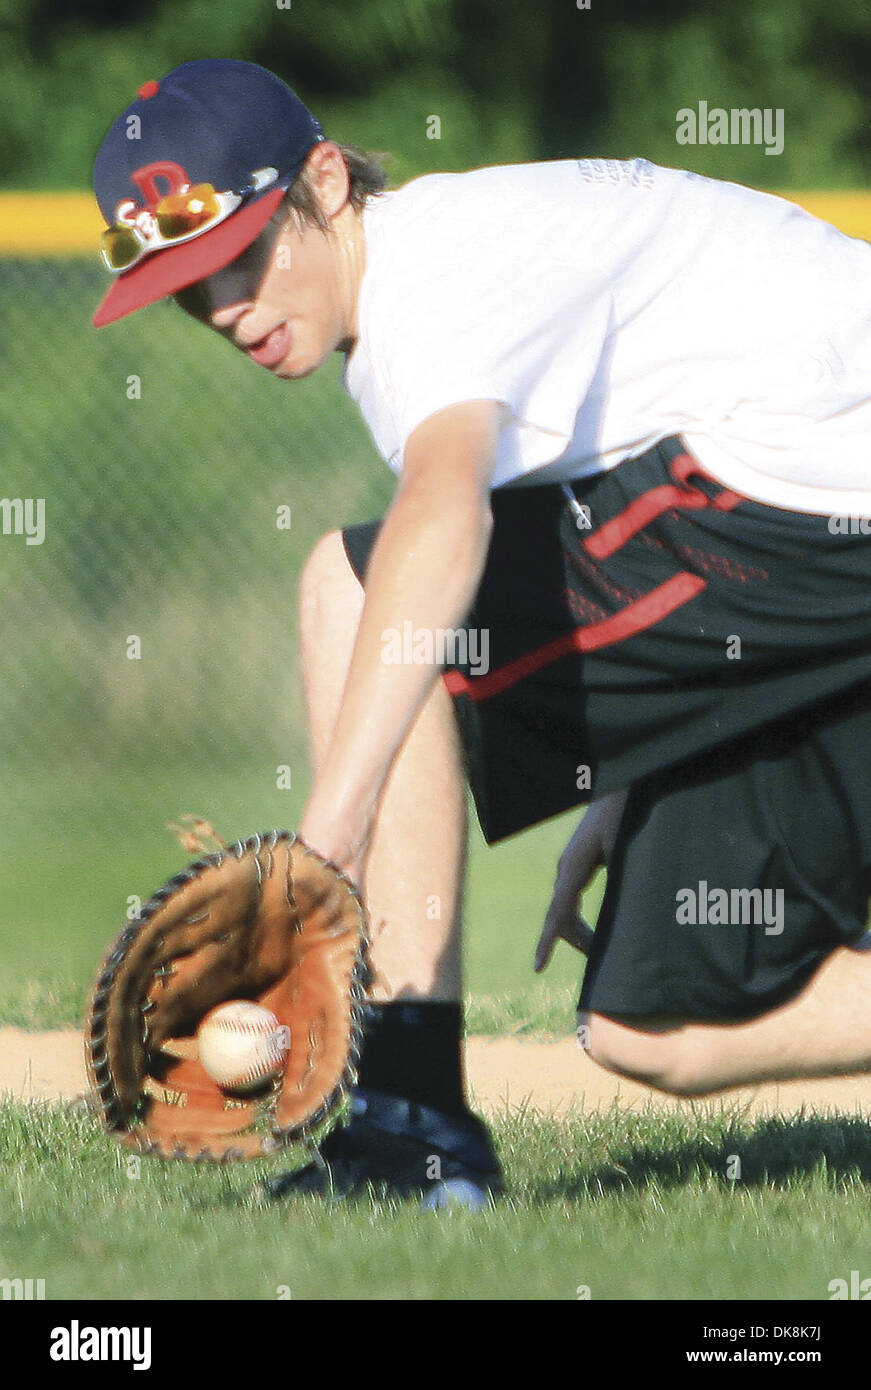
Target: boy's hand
<point>590,846</point>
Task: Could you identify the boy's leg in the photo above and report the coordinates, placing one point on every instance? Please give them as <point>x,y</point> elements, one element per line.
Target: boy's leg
<point>825,1031</point>
<point>410,1128</point>
<point>733,945</point>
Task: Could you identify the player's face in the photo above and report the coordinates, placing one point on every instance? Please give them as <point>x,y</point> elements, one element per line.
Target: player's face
<point>280,301</point>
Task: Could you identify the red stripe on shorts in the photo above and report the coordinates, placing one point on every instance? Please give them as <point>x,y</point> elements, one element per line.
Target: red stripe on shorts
<point>684,464</point>
<point>634,618</point>
<point>612,535</point>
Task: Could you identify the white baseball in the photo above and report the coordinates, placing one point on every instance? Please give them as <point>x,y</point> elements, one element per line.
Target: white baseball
<point>242,1046</point>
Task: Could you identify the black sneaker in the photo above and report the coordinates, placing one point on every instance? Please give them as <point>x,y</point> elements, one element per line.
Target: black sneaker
<point>400,1148</point>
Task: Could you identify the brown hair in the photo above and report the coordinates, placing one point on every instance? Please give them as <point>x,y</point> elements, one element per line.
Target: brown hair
<point>367,176</point>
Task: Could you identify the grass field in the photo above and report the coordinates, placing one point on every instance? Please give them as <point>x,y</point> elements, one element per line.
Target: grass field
<point>630,1206</point>
<point>625,1206</point>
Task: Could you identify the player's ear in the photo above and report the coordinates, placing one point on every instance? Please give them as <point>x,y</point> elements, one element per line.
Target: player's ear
<point>327,176</point>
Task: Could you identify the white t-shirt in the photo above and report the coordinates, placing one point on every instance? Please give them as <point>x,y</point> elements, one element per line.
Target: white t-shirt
<point>609,304</point>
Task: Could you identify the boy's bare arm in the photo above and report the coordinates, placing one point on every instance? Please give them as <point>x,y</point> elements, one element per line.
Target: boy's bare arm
<point>425,569</point>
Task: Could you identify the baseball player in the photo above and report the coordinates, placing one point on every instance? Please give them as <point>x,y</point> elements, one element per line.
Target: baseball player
<point>627,563</point>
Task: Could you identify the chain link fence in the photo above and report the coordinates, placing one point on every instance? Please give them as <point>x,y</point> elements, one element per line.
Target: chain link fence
<point>159,497</point>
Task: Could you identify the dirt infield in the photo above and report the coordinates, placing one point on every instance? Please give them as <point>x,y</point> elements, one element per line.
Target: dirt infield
<point>552,1077</point>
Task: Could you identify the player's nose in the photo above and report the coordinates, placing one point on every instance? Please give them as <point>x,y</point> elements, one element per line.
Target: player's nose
<point>229,316</point>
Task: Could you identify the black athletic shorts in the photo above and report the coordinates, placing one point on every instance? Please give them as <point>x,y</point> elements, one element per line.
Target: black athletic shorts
<point>734,875</point>
<point>662,632</point>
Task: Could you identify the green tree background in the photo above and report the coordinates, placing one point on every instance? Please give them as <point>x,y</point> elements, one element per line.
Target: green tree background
<point>509,79</point>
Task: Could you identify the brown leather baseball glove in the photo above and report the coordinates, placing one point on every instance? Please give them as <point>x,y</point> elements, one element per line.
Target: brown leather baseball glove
<point>268,920</point>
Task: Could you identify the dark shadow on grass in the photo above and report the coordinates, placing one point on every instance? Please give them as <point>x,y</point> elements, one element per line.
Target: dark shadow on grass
<point>769,1154</point>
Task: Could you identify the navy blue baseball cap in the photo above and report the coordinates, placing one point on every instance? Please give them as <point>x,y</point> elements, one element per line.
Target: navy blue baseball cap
<point>230,124</point>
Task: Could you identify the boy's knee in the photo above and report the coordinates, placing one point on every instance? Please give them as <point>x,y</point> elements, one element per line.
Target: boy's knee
<point>329,592</point>
<point>327,568</point>
<point>643,1051</point>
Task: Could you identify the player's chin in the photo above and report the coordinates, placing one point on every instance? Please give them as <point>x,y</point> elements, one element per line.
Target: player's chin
<point>297,365</point>
<point>293,372</point>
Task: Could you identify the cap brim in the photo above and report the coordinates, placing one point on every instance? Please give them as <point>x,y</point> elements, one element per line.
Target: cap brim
<point>174,269</point>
